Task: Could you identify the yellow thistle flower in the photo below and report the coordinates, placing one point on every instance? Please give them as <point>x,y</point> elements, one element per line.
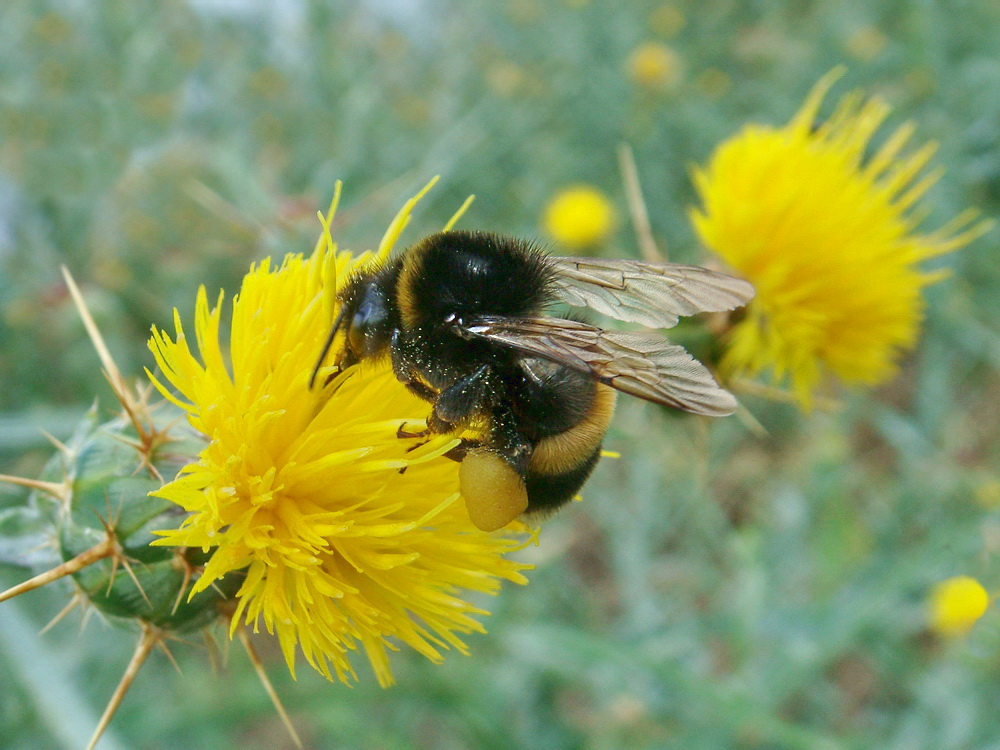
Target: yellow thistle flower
<point>956,604</point>
<point>826,233</point>
<point>345,532</point>
<point>579,216</point>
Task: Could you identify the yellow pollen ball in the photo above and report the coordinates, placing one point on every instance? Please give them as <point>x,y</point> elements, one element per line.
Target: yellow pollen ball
<point>579,216</point>
<point>494,493</point>
<point>956,604</point>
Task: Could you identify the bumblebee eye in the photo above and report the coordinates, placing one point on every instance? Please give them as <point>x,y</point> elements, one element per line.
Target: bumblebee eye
<point>358,333</point>
<point>369,330</point>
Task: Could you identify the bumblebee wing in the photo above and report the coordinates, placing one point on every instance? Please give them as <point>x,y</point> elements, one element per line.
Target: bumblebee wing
<point>653,294</point>
<point>642,365</point>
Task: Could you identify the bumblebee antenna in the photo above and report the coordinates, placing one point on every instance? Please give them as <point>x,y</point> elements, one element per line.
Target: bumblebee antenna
<point>326,346</point>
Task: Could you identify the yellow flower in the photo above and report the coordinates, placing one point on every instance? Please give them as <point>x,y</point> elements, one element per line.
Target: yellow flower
<point>667,20</point>
<point>866,43</point>
<point>987,493</point>
<point>654,66</point>
<point>956,604</point>
<point>713,83</point>
<point>579,216</point>
<point>346,533</point>
<point>826,233</point>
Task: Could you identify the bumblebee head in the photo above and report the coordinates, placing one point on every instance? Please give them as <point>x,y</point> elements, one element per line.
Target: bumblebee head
<point>366,315</point>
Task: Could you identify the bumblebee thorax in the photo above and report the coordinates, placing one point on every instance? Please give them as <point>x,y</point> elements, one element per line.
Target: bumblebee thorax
<point>463,275</point>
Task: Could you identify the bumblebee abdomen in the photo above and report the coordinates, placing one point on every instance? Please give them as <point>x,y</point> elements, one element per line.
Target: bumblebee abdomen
<point>549,492</point>
<point>561,463</point>
<point>566,450</point>
<point>467,274</point>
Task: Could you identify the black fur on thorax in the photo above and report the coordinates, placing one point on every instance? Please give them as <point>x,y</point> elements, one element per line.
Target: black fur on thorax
<point>468,274</point>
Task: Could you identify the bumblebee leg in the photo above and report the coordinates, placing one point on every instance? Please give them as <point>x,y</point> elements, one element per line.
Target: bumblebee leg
<point>459,401</point>
<point>508,441</point>
<point>400,361</point>
<point>463,449</point>
<point>420,390</point>
<point>404,434</point>
<point>404,366</point>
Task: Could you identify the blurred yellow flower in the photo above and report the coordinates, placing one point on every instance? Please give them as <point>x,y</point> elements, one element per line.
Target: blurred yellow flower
<point>346,533</point>
<point>956,604</point>
<point>865,43</point>
<point>506,78</point>
<point>654,66</point>
<point>825,231</point>
<point>666,20</point>
<point>713,83</point>
<point>579,216</point>
<point>987,493</point>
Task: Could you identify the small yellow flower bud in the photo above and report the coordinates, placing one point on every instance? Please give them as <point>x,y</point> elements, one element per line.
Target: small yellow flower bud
<point>955,605</point>
<point>579,216</point>
<point>667,20</point>
<point>655,66</point>
<point>865,43</point>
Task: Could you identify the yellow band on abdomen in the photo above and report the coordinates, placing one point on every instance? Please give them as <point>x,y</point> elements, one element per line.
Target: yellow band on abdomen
<point>566,450</point>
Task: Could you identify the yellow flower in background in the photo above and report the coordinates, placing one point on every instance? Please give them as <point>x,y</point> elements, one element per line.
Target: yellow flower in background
<point>579,216</point>
<point>713,83</point>
<point>346,534</point>
<point>825,231</point>
<point>865,43</point>
<point>987,493</point>
<point>956,604</point>
<point>667,20</point>
<point>655,66</point>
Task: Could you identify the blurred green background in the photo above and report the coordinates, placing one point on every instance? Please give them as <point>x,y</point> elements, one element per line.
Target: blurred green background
<point>732,590</point>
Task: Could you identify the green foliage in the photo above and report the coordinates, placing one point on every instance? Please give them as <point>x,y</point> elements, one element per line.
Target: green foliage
<point>731,589</point>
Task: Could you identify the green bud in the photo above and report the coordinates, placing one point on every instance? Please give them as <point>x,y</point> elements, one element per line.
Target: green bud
<point>107,484</point>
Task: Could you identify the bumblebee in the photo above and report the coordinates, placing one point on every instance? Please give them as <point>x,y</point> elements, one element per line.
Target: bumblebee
<point>461,317</point>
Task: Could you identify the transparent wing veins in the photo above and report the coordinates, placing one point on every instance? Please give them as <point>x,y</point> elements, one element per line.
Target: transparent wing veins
<point>642,365</point>
<point>652,294</point>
